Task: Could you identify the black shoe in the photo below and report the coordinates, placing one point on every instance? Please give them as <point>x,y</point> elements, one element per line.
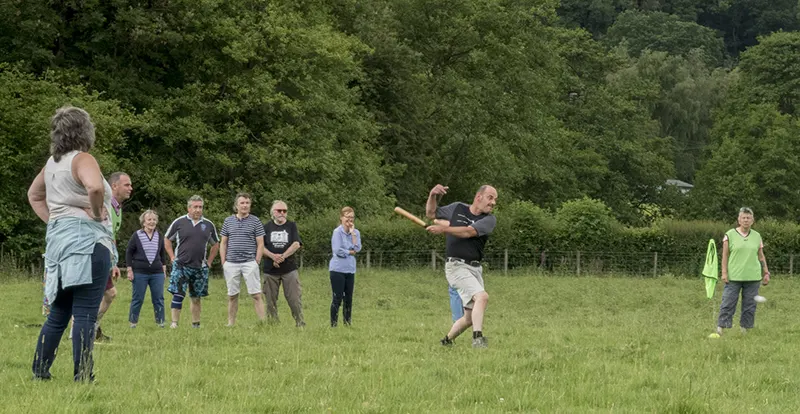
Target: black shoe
<point>447,341</point>
<point>334,324</point>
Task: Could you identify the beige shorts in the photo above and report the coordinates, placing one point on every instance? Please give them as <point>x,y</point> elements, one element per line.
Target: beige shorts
<point>465,279</point>
<point>235,272</point>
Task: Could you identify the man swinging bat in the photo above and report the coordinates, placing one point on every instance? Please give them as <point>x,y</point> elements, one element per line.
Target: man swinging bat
<point>468,230</point>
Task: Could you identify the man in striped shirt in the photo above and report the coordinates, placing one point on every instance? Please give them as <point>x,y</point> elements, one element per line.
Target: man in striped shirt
<point>192,234</point>
<point>240,251</point>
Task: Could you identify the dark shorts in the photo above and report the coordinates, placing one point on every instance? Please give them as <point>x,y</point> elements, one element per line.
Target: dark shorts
<point>188,279</point>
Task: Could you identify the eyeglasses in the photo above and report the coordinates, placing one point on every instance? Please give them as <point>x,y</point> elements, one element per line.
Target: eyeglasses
<point>280,210</point>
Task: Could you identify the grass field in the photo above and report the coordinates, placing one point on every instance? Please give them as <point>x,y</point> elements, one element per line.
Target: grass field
<point>556,344</point>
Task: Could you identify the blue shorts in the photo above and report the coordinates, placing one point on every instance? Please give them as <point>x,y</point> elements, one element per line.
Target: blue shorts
<point>188,279</point>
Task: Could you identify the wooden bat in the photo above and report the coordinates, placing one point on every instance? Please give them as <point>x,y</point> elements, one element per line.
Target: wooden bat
<point>410,216</point>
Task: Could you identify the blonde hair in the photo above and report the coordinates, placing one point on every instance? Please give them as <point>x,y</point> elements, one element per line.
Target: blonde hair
<point>144,215</point>
<point>346,210</point>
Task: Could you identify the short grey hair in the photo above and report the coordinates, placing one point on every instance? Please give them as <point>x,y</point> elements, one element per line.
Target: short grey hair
<point>144,215</point>
<point>482,189</point>
<point>192,199</point>
<point>71,129</point>
<point>114,177</point>
<point>746,210</point>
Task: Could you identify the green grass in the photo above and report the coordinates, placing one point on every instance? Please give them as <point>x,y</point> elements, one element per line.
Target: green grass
<point>557,344</point>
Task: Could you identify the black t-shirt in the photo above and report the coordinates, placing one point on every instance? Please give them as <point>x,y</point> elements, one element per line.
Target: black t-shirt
<point>471,248</point>
<point>277,239</point>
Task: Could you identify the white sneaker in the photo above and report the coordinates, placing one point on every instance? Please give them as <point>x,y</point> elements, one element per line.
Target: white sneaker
<point>719,330</point>
<point>744,331</point>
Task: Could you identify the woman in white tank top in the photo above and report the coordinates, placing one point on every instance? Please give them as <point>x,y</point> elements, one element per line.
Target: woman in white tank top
<point>72,197</point>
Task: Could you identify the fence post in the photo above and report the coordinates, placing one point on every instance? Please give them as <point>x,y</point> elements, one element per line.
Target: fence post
<point>433,259</point>
<point>368,258</point>
<point>791,264</point>
<point>380,259</point>
<point>578,260</point>
<point>655,264</point>
<point>505,262</point>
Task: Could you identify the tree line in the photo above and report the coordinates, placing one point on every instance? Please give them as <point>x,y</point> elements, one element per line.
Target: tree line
<point>328,103</point>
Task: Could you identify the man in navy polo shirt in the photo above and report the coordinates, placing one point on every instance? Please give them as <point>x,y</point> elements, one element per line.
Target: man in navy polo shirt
<point>240,252</point>
<point>191,234</point>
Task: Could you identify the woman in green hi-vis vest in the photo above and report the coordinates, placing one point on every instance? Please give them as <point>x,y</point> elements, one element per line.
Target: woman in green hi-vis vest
<point>744,269</point>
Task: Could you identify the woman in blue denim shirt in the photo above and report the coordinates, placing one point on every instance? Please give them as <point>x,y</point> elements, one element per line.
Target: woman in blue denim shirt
<point>345,243</point>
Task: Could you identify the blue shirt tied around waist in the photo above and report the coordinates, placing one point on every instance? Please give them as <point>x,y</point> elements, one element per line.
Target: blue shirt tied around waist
<point>341,244</point>
<point>68,255</point>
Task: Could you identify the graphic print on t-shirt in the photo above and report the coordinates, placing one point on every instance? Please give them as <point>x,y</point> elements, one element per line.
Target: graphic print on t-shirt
<point>279,239</point>
<point>466,220</point>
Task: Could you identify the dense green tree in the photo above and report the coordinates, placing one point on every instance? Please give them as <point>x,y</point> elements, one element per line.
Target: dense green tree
<point>743,21</point>
<point>756,137</point>
<point>771,72</point>
<point>234,95</point>
<point>594,16</point>
<point>756,163</point>
<point>610,125</point>
<point>637,31</point>
<point>684,95</point>
<point>26,105</point>
<point>461,91</point>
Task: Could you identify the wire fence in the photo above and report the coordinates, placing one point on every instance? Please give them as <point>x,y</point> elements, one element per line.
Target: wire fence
<point>557,262</point>
<point>652,264</point>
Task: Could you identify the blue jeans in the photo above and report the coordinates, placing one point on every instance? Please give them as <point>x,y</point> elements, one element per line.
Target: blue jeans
<point>140,283</point>
<point>81,302</point>
<point>456,307</point>
<point>730,296</point>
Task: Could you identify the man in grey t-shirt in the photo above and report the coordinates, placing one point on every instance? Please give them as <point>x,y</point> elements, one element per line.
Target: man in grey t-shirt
<point>467,228</point>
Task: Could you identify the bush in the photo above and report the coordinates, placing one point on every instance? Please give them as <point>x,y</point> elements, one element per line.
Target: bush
<point>587,225</point>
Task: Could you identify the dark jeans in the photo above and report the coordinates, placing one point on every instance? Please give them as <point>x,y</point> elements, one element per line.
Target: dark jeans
<point>81,302</point>
<point>140,283</point>
<point>342,286</point>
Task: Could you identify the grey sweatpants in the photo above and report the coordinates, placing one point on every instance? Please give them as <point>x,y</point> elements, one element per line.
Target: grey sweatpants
<point>730,296</point>
<point>291,290</point>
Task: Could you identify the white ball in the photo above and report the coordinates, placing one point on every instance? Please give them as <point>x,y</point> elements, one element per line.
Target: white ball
<point>759,299</point>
